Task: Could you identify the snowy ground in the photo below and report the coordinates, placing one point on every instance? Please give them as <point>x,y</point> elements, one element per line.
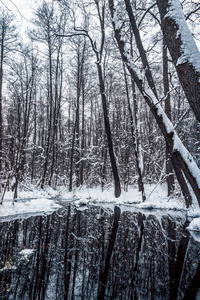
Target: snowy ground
<point>38,202</point>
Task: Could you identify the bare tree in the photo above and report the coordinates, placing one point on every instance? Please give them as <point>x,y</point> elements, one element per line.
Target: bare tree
<point>100,7</point>
<point>19,117</point>
<point>48,23</point>
<point>8,37</point>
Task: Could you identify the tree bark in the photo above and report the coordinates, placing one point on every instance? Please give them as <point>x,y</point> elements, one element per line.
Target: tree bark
<point>169,167</point>
<point>1,83</point>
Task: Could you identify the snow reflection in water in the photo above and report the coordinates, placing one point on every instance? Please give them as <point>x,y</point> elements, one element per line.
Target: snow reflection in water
<point>95,254</point>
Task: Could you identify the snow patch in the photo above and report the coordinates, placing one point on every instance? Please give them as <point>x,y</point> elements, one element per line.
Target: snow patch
<point>194,228</point>
<point>187,157</point>
<point>156,198</point>
<point>116,21</point>
<point>195,225</point>
<point>26,254</point>
<point>39,206</point>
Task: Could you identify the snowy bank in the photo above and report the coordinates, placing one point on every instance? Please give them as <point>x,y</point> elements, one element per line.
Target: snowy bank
<point>26,208</point>
<point>48,200</point>
<point>156,197</point>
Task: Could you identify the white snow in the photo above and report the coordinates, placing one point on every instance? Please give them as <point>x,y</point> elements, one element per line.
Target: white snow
<point>26,253</point>
<point>156,198</point>
<point>116,21</point>
<point>190,51</point>
<point>195,225</point>
<point>187,157</point>
<point>194,228</point>
<point>34,204</point>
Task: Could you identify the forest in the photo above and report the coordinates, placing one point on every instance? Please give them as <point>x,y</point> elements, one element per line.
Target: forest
<point>101,92</point>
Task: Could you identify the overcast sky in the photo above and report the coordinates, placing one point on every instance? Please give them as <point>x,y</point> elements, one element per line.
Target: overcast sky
<point>22,10</point>
<point>19,7</point>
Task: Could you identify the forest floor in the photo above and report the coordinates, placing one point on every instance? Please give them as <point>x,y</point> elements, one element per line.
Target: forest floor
<point>33,201</point>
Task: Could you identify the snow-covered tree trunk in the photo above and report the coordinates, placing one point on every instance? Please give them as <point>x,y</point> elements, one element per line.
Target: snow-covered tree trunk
<point>169,167</point>
<point>135,134</point>
<point>183,50</point>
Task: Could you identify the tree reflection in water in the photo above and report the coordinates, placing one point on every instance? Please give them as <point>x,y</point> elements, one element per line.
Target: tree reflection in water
<point>95,254</point>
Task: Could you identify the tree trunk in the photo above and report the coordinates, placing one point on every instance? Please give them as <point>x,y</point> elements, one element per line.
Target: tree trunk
<point>169,167</point>
<point>108,133</point>
<point>1,83</point>
<point>77,129</point>
<point>82,132</point>
<point>134,134</point>
<point>50,106</point>
<point>71,159</point>
<point>140,47</point>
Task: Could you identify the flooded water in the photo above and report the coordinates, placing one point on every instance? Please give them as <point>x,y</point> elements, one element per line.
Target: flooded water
<point>98,253</point>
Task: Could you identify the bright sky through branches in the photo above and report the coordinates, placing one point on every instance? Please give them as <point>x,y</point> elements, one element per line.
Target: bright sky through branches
<point>22,10</point>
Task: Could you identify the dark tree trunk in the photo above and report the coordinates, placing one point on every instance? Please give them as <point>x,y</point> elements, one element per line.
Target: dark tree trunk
<point>55,116</point>
<point>1,83</point>
<point>169,167</point>
<point>49,131</point>
<point>72,159</point>
<point>82,132</point>
<point>104,275</point>
<point>140,47</point>
<point>108,133</point>
<point>191,292</point>
<point>179,265</point>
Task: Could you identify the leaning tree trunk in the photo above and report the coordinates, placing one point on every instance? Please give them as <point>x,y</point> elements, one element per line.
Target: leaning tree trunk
<point>140,47</point>
<point>183,50</point>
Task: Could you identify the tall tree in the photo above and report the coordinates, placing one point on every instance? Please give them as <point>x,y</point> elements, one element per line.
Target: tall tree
<point>19,117</point>
<point>48,22</point>
<point>100,8</point>
<point>8,37</point>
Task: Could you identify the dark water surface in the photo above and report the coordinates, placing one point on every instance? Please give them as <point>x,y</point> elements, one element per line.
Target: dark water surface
<point>97,254</point>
